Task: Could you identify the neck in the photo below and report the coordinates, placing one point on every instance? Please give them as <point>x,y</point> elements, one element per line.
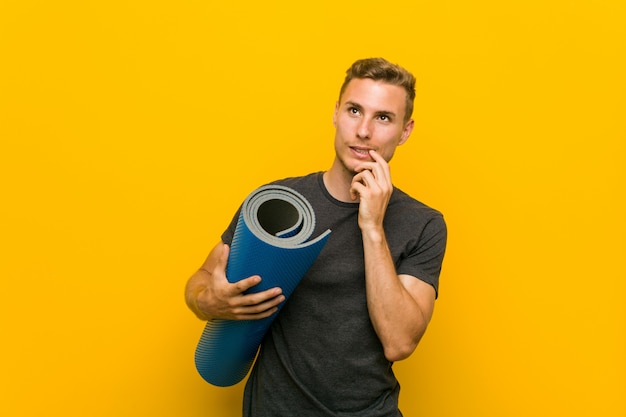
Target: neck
<point>338,181</point>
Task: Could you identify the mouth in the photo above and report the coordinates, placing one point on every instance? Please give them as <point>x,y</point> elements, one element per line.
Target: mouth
<point>360,152</point>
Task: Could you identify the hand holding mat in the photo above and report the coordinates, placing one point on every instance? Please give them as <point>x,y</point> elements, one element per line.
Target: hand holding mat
<point>270,241</point>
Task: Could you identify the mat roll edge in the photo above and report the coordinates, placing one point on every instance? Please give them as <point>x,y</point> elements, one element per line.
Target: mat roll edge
<point>271,240</point>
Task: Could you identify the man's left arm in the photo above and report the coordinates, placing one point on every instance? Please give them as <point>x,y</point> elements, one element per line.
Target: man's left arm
<point>400,306</point>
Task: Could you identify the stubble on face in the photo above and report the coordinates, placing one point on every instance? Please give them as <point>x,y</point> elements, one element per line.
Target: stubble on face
<point>382,106</point>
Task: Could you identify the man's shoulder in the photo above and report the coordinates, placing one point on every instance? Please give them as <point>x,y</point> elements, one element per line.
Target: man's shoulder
<point>298,181</point>
<point>307,185</point>
<point>402,201</point>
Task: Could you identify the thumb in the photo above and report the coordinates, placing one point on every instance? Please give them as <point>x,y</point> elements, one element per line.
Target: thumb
<point>222,261</point>
<point>238,287</point>
<point>354,193</point>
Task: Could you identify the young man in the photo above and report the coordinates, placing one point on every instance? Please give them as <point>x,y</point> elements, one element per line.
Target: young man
<point>369,296</point>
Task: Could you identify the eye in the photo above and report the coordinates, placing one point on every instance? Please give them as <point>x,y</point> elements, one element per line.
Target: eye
<point>353,110</point>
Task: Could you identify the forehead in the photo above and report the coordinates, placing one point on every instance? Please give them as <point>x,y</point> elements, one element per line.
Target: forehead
<point>376,95</point>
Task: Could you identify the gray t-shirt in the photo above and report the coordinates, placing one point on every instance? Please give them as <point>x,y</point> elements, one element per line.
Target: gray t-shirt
<point>321,356</point>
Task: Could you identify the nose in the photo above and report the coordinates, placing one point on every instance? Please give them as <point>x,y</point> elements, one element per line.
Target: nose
<point>364,129</point>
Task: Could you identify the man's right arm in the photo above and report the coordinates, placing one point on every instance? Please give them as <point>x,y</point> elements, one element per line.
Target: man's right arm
<point>211,296</point>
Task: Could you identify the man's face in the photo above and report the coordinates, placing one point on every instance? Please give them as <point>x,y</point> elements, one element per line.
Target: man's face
<point>369,115</point>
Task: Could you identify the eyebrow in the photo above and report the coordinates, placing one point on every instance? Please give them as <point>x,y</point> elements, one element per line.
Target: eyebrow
<point>389,114</point>
<point>353,104</point>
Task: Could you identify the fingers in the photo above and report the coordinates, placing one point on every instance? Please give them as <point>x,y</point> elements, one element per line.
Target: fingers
<point>257,297</point>
<point>370,175</point>
<point>256,306</point>
<point>382,167</point>
<point>222,260</point>
<point>213,296</point>
<point>368,180</point>
<point>379,167</point>
<point>240,286</point>
<point>244,285</point>
<point>355,191</point>
<point>372,185</point>
<point>359,185</point>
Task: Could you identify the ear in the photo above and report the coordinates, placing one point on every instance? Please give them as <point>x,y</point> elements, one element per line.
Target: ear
<point>335,114</point>
<point>406,132</point>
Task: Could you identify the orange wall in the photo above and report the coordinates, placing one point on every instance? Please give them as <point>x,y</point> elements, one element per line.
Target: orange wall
<point>131,130</point>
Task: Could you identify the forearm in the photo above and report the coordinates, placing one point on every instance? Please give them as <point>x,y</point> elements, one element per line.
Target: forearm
<point>200,281</point>
<point>397,317</point>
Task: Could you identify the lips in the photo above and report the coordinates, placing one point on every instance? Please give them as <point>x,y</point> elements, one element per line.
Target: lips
<point>360,152</point>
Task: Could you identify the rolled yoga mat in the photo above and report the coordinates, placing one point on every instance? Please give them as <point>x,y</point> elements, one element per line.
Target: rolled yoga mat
<point>271,240</point>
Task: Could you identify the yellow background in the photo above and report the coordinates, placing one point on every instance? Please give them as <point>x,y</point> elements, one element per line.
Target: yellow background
<point>131,130</point>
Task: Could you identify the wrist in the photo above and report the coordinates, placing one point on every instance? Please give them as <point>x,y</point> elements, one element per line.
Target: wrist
<point>195,307</point>
<point>374,234</point>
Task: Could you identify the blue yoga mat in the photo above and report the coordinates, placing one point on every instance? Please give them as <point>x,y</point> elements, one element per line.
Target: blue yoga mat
<point>271,240</point>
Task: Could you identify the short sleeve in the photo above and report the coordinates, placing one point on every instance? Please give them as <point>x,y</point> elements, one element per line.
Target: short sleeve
<point>229,233</point>
<point>424,259</point>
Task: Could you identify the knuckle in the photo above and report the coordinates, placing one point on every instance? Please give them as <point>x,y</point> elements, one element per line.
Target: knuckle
<point>241,285</point>
<point>232,303</point>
